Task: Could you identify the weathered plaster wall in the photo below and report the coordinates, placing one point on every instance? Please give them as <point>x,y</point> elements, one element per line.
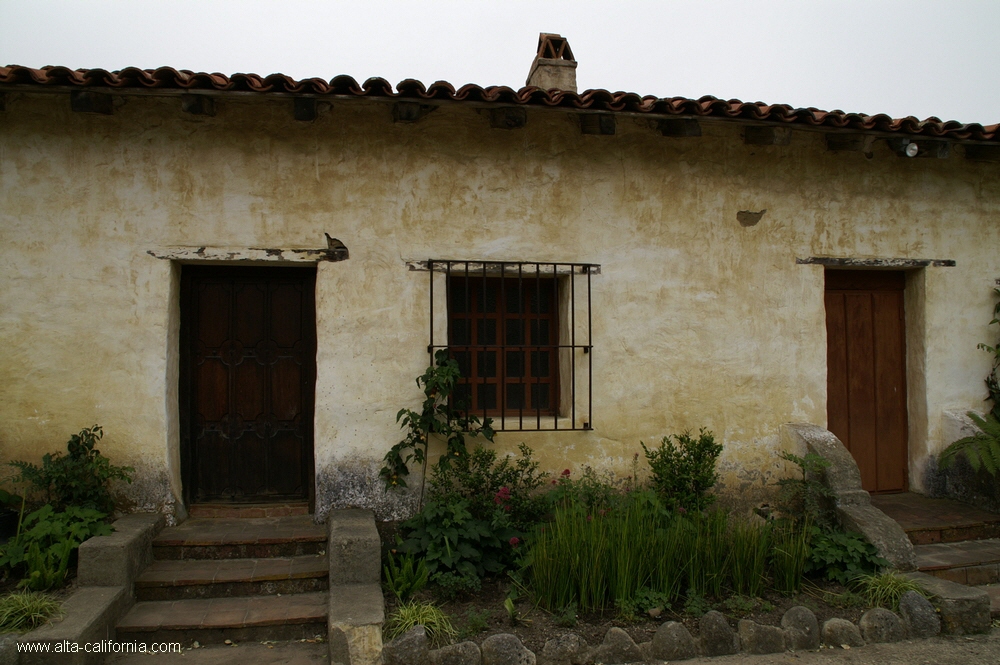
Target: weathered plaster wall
<point>698,320</point>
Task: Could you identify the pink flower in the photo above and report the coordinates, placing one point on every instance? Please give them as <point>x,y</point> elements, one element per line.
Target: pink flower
<point>590,517</point>
<point>515,541</point>
<point>681,510</point>
<point>602,512</point>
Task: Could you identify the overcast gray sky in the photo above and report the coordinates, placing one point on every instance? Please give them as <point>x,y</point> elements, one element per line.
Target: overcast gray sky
<point>914,57</point>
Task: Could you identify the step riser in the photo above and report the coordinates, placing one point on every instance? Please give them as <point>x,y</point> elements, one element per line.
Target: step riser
<point>204,636</point>
<point>969,575</point>
<point>238,551</point>
<point>232,589</point>
<point>954,535</point>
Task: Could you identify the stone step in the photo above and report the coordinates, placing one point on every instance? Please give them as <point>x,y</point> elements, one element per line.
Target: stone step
<point>971,562</point>
<point>298,652</point>
<point>215,620</point>
<point>240,538</point>
<point>993,590</point>
<point>246,510</point>
<point>929,520</point>
<point>220,578</point>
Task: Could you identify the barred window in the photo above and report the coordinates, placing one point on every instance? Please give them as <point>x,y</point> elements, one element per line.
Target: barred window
<point>520,333</point>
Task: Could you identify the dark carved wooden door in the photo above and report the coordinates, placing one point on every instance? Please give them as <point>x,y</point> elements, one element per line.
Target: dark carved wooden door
<point>866,373</point>
<point>248,365</point>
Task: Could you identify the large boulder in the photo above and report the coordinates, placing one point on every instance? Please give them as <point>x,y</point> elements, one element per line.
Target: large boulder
<point>716,636</point>
<point>756,638</point>
<point>881,625</point>
<point>568,649</point>
<point>410,648</point>
<point>840,632</point>
<point>463,653</point>
<point>801,629</point>
<point>505,649</point>
<point>919,615</point>
<point>617,647</point>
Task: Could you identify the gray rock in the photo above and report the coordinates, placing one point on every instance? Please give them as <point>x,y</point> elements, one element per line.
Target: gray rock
<point>919,616</point>
<point>672,641</point>
<point>505,649</point>
<point>617,647</point>
<point>568,649</point>
<point>410,647</point>
<point>716,636</point>
<point>838,632</point>
<point>8,649</point>
<point>964,610</point>
<point>646,649</point>
<point>801,629</point>
<point>463,653</point>
<point>881,625</point>
<point>755,638</point>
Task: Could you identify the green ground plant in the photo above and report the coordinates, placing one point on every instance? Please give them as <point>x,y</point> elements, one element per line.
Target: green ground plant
<point>80,478</point>
<point>45,541</point>
<point>841,557</point>
<point>981,450</point>
<point>440,630</point>
<point>406,576</point>
<point>683,469</point>
<point>884,589</point>
<point>26,610</point>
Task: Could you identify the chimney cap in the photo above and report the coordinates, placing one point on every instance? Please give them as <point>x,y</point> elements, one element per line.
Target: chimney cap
<point>554,47</point>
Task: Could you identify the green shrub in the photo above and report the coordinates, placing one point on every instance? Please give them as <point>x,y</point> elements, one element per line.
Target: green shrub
<point>486,483</point>
<point>449,586</point>
<point>46,540</point>
<point>450,540</point>
<point>683,469</point>
<point>438,417</point>
<point>80,478</point>
<point>405,578</point>
<point>26,610</point>
<point>440,630</point>
<point>839,556</point>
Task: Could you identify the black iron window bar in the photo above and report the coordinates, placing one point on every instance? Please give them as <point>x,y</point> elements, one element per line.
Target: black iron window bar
<point>504,330</point>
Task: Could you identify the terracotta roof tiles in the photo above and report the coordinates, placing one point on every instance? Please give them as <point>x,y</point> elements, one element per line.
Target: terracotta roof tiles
<point>166,78</point>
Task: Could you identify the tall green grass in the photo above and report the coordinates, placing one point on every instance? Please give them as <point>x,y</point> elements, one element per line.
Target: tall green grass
<point>598,558</point>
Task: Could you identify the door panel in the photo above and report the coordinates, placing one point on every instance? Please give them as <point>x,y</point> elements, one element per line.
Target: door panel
<point>866,373</point>
<point>247,383</point>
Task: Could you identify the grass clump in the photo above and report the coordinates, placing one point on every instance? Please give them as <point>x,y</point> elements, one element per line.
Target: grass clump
<point>26,610</point>
<point>440,630</point>
<point>885,589</point>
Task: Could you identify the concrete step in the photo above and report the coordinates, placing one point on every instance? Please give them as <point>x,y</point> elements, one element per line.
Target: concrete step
<point>971,562</point>
<point>993,590</point>
<point>929,520</point>
<point>215,620</point>
<point>240,538</point>
<point>223,578</point>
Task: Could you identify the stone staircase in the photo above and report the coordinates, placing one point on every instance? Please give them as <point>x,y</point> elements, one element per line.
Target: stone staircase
<point>952,541</point>
<point>237,579</point>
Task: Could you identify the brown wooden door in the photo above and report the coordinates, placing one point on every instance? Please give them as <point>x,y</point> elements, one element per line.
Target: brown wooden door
<point>866,373</point>
<point>248,365</point>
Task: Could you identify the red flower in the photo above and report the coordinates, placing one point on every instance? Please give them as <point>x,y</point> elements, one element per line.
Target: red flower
<point>515,541</point>
<point>565,472</point>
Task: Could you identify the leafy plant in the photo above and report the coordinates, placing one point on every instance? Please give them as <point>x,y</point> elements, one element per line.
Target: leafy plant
<point>440,630</point>
<point>513,615</point>
<point>46,540</point>
<point>567,617</point>
<point>982,450</point>
<point>743,606</point>
<point>807,497</point>
<point>438,417</point>
<point>487,483</point>
<point>683,469</point>
<point>80,478</point>
<point>884,589</point>
<point>450,539</point>
<point>993,378</point>
<point>839,556</point>
<point>26,610</point>
<point>696,605</point>
<point>449,586</point>
<point>405,578</point>
<point>475,623</point>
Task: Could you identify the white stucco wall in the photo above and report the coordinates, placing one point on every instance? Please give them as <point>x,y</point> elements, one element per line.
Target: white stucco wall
<point>697,320</point>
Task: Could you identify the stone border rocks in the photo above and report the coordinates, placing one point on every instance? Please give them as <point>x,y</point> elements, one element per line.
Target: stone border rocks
<point>964,610</point>
<point>799,631</point>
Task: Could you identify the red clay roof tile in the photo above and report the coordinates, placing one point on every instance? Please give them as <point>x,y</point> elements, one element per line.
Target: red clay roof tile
<point>591,100</point>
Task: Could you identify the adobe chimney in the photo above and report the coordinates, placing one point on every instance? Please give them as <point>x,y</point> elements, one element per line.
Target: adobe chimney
<point>554,66</point>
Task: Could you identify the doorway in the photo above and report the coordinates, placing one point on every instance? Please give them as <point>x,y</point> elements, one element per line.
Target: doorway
<point>866,373</point>
<point>247,383</point>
